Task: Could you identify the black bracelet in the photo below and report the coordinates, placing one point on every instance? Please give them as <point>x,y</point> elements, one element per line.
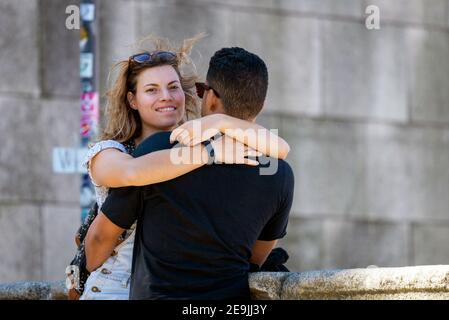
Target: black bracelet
<point>210,151</point>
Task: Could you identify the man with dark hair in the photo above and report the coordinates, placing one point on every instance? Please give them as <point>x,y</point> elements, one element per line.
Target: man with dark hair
<point>196,235</point>
<point>241,78</point>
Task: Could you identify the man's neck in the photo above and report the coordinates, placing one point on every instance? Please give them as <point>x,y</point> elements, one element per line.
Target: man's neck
<point>146,132</point>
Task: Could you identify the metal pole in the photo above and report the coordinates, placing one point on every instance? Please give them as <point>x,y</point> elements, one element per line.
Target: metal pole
<point>90,110</point>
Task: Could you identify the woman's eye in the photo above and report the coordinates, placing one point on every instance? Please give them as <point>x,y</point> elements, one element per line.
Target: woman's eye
<point>174,87</point>
<point>151,90</point>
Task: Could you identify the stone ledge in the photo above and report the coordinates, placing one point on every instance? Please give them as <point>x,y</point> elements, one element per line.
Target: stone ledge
<point>33,291</point>
<point>423,282</point>
<point>419,283</point>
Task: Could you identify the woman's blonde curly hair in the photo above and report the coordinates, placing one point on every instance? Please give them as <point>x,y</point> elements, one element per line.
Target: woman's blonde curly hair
<point>123,122</point>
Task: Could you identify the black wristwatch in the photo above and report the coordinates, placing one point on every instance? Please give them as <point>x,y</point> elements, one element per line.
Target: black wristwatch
<point>210,151</point>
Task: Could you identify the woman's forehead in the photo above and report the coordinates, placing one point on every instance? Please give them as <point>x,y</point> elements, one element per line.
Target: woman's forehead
<point>160,74</point>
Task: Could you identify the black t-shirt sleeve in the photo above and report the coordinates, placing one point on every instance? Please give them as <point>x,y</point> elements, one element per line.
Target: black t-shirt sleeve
<point>276,227</point>
<point>122,206</point>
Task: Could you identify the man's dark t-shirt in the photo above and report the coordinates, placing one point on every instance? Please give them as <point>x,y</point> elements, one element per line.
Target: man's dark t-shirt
<point>195,233</point>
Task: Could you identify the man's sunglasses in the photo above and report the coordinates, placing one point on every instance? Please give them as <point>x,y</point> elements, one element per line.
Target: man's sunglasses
<point>201,87</point>
<point>158,56</point>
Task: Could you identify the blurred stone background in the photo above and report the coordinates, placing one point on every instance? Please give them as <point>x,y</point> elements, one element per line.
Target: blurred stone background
<point>366,113</point>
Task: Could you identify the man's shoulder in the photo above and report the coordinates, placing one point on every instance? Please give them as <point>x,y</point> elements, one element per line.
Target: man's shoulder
<point>285,167</point>
<point>283,178</point>
<point>155,142</point>
<point>288,176</point>
<point>275,167</point>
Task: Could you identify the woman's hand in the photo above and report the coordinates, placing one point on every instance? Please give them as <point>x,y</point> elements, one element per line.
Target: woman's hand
<point>230,151</point>
<point>196,131</point>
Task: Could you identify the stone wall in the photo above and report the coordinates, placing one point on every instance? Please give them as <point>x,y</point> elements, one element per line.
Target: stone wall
<point>365,112</point>
<point>409,283</point>
<point>39,110</point>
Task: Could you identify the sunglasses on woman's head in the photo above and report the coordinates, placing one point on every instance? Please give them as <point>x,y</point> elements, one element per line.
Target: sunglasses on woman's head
<point>158,56</point>
<point>201,87</point>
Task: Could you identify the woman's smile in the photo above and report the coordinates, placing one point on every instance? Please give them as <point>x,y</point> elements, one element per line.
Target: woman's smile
<point>166,109</point>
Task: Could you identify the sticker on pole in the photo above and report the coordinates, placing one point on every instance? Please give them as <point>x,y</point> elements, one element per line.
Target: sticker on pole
<point>87,11</point>
<point>86,65</point>
<point>90,114</point>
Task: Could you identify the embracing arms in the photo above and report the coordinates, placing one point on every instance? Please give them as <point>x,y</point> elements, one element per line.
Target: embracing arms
<point>249,133</point>
<point>113,168</point>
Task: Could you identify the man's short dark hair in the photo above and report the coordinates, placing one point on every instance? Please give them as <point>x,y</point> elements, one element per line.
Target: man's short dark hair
<point>241,79</point>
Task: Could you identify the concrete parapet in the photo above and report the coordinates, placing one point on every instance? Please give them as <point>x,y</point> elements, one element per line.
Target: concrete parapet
<point>406,283</point>
<point>33,291</point>
<point>423,282</point>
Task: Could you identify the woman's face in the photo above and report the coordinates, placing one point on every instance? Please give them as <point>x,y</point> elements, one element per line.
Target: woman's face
<point>159,99</point>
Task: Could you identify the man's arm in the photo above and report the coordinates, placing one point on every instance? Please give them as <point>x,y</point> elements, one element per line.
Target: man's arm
<point>276,227</point>
<point>261,250</point>
<point>101,240</point>
<point>119,211</point>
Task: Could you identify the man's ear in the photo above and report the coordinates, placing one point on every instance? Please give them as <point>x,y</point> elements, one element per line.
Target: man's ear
<point>131,100</point>
<point>214,103</point>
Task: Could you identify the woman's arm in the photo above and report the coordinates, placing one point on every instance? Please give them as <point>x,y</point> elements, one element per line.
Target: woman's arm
<point>254,136</point>
<point>113,168</point>
<point>246,132</point>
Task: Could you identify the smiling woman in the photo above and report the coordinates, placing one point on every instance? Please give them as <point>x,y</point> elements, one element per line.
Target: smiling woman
<point>144,78</point>
<point>158,98</point>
